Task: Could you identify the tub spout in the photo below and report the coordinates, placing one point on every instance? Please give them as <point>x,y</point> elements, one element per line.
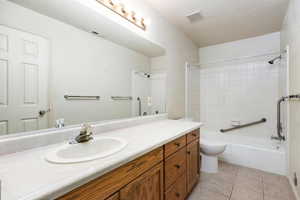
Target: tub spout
<point>275,138</point>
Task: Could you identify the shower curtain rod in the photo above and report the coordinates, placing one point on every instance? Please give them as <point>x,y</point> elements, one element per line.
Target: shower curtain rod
<point>238,59</point>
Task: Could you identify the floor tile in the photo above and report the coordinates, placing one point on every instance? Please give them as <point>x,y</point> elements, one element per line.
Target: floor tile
<point>206,194</point>
<point>245,194</point>
<point>249,184</point>
<point>234,182</point>
<point>250,173</point>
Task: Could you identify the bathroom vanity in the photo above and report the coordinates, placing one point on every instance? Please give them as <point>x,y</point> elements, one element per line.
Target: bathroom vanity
<point>168,172</point>
<point>160,161</point>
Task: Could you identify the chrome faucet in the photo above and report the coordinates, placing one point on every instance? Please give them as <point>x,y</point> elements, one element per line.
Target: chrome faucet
<point>60,123</point>
<point>85,134</point>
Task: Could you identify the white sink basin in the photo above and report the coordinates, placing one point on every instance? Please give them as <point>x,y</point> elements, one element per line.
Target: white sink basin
<point>94,149</point>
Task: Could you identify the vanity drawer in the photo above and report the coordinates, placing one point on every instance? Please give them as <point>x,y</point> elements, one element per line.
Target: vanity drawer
<point>175,166</point>
<point>178,190</point>
<point>174,146</point>
<point>192,136</point>
<point>110,183</point>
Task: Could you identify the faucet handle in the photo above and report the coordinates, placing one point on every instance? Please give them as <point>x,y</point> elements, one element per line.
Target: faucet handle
<point>86,129</point>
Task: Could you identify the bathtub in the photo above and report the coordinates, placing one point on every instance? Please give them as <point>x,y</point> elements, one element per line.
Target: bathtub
<point>254,152</point>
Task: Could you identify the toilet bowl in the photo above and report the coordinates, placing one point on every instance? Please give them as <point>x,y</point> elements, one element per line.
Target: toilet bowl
<point>210,151</point>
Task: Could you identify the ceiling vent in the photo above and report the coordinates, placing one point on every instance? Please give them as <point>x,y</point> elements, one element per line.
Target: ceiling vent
<point>195,17</point>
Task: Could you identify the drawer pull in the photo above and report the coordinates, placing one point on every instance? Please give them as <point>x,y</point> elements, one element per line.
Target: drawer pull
<point>194,134</point>
<point>177,194</point>
<point>177,144</point>
<point>189,152</point>
<point>177,166</point>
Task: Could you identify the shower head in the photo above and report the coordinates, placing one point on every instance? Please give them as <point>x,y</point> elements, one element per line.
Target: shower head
<point>271,62</point>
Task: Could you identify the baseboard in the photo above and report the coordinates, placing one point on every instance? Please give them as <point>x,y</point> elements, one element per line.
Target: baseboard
<point>294,188</point>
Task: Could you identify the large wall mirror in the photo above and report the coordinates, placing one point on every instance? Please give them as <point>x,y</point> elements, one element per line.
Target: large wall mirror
<point>55,74</point>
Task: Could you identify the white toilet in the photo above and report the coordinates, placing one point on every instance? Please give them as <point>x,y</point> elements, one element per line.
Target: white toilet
<point>210,151</point>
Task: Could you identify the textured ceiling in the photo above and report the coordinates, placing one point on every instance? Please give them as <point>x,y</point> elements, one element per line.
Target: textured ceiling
<point>223,20</point>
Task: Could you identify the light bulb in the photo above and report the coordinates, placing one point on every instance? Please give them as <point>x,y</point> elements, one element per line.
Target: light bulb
<point>143,22</point>
<point>133,17</point>
<point>111,2</point>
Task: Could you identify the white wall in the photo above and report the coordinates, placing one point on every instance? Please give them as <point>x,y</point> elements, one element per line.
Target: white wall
<point>81,64</point>
<point>290,36</point>
<point>193,93</point>
<point>179,49</point>
<point>242,48</point>
<point>245,90</point>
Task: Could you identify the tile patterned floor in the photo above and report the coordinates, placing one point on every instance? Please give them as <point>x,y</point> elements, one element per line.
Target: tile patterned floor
<point>241,183</point>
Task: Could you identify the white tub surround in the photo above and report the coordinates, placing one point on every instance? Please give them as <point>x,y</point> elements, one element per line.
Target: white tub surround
<point>27,175</point>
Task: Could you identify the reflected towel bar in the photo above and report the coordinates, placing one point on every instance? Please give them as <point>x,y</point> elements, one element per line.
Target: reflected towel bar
<point>263,120</point>
<point>72,97</point>
<point>116,98</point>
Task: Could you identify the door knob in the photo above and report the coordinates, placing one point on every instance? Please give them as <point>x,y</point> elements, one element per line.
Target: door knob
<point>43,112</point>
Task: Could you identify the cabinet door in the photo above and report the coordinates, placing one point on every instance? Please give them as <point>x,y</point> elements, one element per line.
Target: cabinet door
<point>193,170</point>
<point>149,186</point>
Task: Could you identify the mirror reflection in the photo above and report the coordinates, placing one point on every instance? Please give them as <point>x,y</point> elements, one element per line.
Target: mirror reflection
<point>53,74</point>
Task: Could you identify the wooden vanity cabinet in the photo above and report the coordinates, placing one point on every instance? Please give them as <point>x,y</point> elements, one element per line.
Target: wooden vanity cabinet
<point>167,173</point>
<point>149,186</point>
<point>193,165</point>
<point>110,183</point>
<point>182,166</point>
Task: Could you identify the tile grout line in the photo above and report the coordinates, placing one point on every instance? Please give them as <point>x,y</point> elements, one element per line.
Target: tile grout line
<point>236,175</point>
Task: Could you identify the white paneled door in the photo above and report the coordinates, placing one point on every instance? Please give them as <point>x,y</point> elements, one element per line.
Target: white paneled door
<point>24,63</point>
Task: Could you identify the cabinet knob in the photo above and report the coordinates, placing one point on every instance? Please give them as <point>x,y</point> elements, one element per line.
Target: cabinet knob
<point>177,166</point>
<point>189,152</point>
<point>177,194</point>
<point>177,144</point>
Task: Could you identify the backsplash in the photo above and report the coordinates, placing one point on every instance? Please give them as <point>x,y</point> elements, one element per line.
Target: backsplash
<point>17,143</point>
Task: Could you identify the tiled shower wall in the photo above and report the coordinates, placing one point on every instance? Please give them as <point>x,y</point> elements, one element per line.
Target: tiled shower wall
<point>244,91</point>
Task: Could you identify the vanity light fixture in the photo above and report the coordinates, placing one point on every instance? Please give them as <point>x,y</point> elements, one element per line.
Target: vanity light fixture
<point>117,7</point>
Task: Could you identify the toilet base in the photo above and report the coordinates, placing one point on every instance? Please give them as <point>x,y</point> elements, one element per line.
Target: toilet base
<point>209,164</point>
